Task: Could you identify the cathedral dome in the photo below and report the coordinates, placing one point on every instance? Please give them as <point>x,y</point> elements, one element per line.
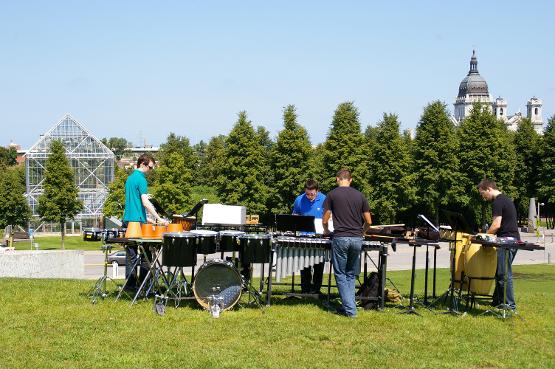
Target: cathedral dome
<point>473,83</point>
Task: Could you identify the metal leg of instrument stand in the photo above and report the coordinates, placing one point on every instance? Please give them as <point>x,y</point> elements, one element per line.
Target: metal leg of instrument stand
<point>448,297</point>
<point>435,265</point>
<point>365,266</point>
<point>503,310</point>
<point>426,276</point>
<point>269,287</point>
<point>427,303</point>
<point>148,276</point>
<point>410,309</point>
<point>383,269</point>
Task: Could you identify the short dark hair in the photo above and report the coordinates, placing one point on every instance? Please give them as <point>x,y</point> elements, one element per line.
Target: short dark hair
<point>145,159</point>
<point>486,183</point>
<point>311,184</point>
<point>343,174</point>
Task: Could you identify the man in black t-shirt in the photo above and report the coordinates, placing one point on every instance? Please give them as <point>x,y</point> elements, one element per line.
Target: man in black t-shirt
<point>351,218</point>
<point>504,225</point>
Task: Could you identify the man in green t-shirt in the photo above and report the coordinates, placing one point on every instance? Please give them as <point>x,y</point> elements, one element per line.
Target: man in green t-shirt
<point>137,203</point>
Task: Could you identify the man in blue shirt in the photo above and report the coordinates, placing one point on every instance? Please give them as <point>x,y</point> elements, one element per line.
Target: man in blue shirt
<point>311,202</point>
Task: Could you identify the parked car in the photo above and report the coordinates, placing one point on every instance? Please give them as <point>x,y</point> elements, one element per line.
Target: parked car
<point>117,256</point>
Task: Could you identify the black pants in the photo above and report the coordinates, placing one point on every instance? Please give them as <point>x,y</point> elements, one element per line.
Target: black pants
<point>311,282</point>
<point>131,258</point>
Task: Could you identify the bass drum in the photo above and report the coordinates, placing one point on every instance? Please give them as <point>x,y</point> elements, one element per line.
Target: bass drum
<point>218,280</point>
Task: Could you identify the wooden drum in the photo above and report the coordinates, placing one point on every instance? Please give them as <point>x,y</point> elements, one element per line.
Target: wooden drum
<point>186,222</point>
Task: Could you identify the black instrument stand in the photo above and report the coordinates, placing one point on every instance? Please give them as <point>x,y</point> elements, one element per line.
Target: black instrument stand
<point>410,309</point>
<point>449,298</point>
<point>426,303</point>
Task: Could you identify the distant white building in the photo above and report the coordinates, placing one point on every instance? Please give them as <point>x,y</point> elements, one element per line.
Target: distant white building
<point>474,89</point>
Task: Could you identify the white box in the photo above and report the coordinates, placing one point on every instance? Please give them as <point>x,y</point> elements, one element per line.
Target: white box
<point>224,214</point>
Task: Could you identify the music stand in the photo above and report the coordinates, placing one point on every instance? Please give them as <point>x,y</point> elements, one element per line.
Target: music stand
<point>457,222</point>
<point>295,223</point>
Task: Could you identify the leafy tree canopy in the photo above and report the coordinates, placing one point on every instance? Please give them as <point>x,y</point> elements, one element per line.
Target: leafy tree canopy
<point>289,160</point>
<point>345,148</point>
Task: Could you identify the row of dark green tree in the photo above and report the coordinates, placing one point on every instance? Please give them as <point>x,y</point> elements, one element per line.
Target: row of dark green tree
<point>401,175</point>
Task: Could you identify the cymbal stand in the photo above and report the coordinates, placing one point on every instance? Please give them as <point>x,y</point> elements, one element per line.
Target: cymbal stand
<point>100,287</point>
<point>255,296</point>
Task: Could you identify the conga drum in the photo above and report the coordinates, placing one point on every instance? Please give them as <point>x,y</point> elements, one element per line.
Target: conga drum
<point>480,264</point>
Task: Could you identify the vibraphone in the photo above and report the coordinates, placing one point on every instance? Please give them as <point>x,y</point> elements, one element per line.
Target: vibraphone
<point>295,253</point>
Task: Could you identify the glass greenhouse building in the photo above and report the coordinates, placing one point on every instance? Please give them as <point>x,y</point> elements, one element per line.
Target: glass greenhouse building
<point>93,165</point>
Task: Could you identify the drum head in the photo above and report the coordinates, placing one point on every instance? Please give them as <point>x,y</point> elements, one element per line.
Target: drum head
<point>217,279</point>
<point>204,232</point>
<point>231,232</point>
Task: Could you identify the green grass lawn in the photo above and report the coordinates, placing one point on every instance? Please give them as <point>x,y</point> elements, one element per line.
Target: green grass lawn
<point>52,324</point>
<point>55,243</point>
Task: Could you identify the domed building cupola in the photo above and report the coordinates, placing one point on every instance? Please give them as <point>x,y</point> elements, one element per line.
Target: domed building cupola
<point>473,89</point>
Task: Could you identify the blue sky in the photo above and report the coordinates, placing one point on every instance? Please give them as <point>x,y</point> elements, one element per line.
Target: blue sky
<point>143,69</point>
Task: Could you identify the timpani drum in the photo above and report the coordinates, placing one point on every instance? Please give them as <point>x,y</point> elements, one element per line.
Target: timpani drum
<point>175,227</point>
<point>462,240</point>
<point>179,249</point>
<point>152,231</point>
<point>229,240</point>
<point>480,264</point>
<point>206,241</point>
<point>217,280</point>
<point>255,248</point>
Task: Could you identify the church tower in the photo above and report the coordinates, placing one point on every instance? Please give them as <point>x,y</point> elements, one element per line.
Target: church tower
<point>473,89</point>
<point>500,109</point>
<point>534,113</point>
